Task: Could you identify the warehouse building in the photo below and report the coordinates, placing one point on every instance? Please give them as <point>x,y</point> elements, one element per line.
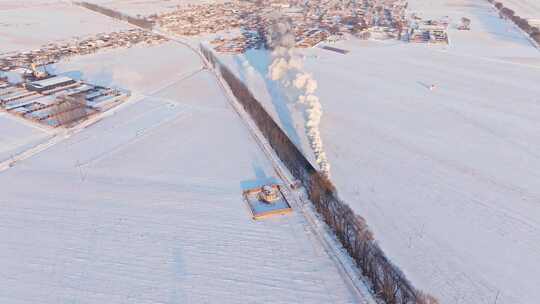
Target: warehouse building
<point>50,83</point>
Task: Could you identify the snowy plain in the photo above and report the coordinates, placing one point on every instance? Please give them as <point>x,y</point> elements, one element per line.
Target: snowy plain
<point>145,206</point>
<point>18,136</point>
<point>447,178</point>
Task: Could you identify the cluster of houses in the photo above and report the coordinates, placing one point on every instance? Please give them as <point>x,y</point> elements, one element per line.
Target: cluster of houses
<point>428,31</point>
<point>237,44</point>
<point>56,101</point>
<point>196,19</point>
<point>313,21</point>
<point>53,52</point>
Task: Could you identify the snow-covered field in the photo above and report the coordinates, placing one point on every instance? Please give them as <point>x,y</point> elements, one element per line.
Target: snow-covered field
<point>145,206</point>
<point>140,69</point>
<point>27,25</point>
<point>447,178</point>
<point>17,136</point>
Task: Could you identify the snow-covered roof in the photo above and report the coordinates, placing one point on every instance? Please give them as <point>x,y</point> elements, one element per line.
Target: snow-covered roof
<point>57,80</point>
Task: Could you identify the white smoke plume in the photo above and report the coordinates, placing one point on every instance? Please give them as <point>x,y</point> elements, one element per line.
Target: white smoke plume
<point>287,67</point>
<point>304,81</point>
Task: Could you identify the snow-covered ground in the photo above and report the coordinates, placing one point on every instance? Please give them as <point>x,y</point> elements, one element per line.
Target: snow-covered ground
<point>17,136</point>
<point>27,25</point>
<point>15,4</point>
<point>140,69</point>
<point>447,178</point>
<point>145,206</point>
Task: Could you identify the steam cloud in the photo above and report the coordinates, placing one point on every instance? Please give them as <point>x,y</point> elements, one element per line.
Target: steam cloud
<point>287,67</point>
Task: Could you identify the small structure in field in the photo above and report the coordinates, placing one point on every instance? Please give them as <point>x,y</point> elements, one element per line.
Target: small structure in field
<point>49,83</point>
<point>335,49</point>
<point>465,24</point>
<point>266,201</point>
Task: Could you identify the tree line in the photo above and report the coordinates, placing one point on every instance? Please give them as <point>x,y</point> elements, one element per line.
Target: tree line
<point>68,110</point>
<point>140,22</point>
<point>387,281</point>
<point>504,12</point>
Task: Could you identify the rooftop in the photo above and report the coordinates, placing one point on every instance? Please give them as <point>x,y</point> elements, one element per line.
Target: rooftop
<point>51,81</point>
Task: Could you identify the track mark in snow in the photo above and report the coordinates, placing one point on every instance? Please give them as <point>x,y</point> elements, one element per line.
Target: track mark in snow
<point>139,135</point>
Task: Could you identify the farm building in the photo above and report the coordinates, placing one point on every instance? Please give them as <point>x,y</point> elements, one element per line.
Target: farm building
<point>50,83</point>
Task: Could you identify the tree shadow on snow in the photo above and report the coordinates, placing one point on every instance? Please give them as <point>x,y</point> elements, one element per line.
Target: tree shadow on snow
<point>260,60</point>
<point>260,180</point>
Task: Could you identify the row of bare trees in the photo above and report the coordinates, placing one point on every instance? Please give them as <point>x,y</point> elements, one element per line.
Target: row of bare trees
<point>68,110</point>
<point>533,31</point>
<point>140,22</point>
<point>387,281</point>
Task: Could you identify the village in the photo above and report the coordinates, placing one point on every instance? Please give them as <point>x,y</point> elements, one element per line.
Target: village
<point>57,101</point>
<point>237,26</point>
<point>29,91</point>
<point>54,52</point>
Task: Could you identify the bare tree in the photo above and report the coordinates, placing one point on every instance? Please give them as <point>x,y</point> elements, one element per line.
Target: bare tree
<point>68,110</point>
